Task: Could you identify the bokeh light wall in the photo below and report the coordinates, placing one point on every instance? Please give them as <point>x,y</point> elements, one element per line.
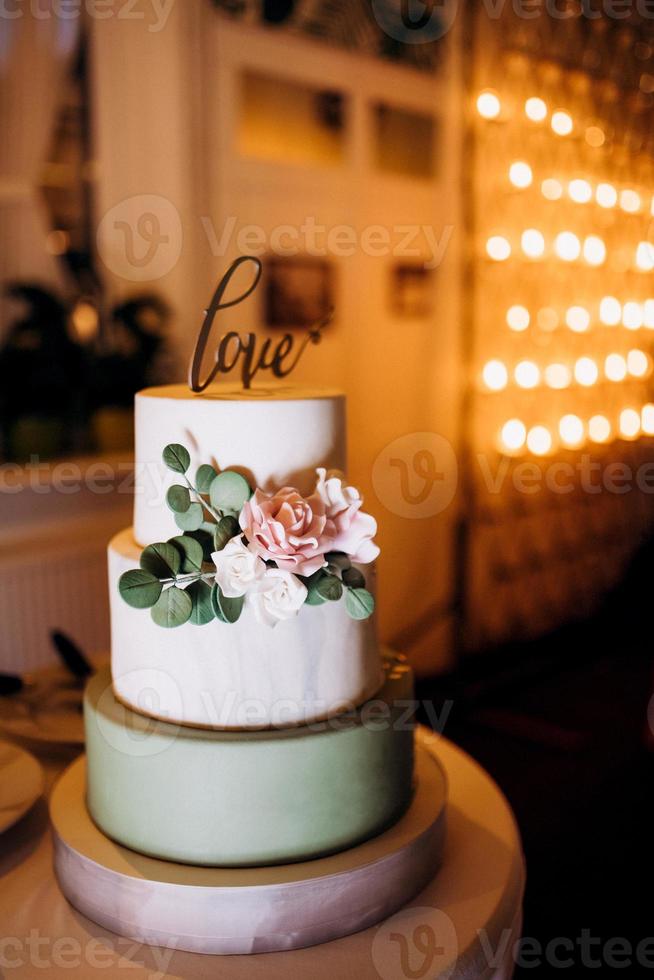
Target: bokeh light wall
<point>562,249</point>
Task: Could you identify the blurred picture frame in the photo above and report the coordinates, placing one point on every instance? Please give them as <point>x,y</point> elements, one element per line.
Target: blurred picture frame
<point>298,291</point>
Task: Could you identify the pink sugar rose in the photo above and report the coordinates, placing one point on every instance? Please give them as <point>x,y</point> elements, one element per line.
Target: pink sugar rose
<point>354,530</point>
<point>288,528</point>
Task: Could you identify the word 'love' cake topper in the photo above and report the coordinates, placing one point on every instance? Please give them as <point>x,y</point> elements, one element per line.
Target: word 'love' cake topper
<point>233,346</point>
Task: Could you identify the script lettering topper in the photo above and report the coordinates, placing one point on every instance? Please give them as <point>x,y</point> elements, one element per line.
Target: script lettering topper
<point>271,356</point>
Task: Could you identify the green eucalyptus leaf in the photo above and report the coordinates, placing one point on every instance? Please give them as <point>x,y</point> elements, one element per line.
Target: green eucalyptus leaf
<point>200,593</point>
<point>227,610</point>
<point>204,478</point>
<point>229,491</point>
<point>173,608</point>
<point>204,539</point>
<point>359,603</point>
<point>225,530</point>
<point>139,588</point>
<point>329,587</point>
<point>338,560</point>
<point>190,520</point>
<point>162,560</point>
<point>190,551</point>
<point>176,458</point>
<point>178,499</point>
<point>314,599</point>
<point>353,578</point>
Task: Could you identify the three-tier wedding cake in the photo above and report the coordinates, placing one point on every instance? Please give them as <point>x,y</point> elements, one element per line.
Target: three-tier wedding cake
<point>251,781</point>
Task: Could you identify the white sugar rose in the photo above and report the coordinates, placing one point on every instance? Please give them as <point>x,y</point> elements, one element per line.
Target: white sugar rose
<point>354,529</point>
<point>238,570</point>
<point>279,595</point>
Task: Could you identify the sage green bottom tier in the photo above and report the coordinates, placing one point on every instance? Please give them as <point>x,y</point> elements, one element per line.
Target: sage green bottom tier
<point>249,798</point>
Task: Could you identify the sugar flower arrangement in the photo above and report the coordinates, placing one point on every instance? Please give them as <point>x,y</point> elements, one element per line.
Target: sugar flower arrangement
<point>273,552</point>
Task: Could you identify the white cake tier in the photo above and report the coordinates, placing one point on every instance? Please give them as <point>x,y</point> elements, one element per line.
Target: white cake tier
<point>240,675</point>
<point>275,436</point>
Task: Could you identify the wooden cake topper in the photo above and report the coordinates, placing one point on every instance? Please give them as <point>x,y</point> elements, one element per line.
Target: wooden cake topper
<point>271,356</point>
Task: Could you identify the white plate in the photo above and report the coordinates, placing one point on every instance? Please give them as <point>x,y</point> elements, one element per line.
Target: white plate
<point>49,711</point>
<point>21,783</point>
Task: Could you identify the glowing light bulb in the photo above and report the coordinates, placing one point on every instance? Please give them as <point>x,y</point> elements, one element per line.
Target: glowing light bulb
<point>594,250</point>
<point>547,318</point>
<point>615,367</point>
<point>498,248</point>
<point>580,191</point>
<point>645,257</point>
<point>495,375</point>
<point>557,376</point>
<point>606,195</point>
<point>488,104</point>
<point>520,174</point>
<point>535,109</point>
<point>513,435</point>
<point>562,123</point>
<point>533,243</point>
<point>527,374</point>
<point>632,315</point>
<point>630,201</point>
<point>599,428</point>
<point>648,314</point>
<point>567,246</point>
<point>539,440</point>
<point>595,137</point>
<point>552,189</point>
<point>578,319</point>
<point>637,363</point>
<point>518,318</point>
<point>586,372</point>
<point>610,311</point>
<point>571,430</point>
<point>647,419</point>
<point>629,423</point>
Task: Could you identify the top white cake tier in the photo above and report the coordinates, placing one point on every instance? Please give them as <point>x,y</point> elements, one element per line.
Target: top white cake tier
<point>275,436</point>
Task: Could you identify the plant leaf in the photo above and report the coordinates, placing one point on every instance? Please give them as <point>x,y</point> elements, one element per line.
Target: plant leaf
<point>190,552</point>
<point>314,599</point>
<point>353,578</point>
<point>204,539</point>
<point>173,608</point>
<point>229,491</point>
<point>176,458</point>
<point>227,610</point>
<point>329,587</point>
<point>178,499</point>
<point>226,529</point>
<point>191,519</point>
<point>359,603</point>
<point>200,593</point>
<point>162,560</point>
<point>204,478</point>
<point>139,588</point>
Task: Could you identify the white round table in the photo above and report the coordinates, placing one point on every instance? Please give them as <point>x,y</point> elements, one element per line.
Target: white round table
<point>464,925</point>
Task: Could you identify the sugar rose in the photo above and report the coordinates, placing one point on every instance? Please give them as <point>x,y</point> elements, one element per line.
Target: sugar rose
<point>289,529</point>
<point>279,595</point>
<point>237,569</point>
<point>354,530</point>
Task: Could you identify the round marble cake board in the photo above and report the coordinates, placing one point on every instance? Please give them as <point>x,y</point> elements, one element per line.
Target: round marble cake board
<point>246,910</point>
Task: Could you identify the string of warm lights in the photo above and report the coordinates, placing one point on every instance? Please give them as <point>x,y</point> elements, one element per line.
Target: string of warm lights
<point>574,432</point>
<point>600,236</point>
<point>584,370</point>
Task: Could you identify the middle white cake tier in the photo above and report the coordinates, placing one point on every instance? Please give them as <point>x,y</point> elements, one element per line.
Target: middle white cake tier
<point>244,674</point>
